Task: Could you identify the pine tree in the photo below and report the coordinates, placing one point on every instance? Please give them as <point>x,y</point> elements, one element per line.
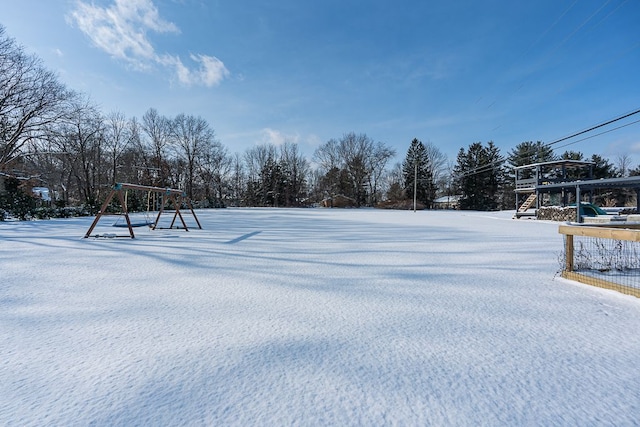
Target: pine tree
<point>575,173</point>
<point>572,155</point>
<point>273,183</point>
<point>602,168</point>
<point>480,177</point>
<point>417,173</point>
<point>530,152</point>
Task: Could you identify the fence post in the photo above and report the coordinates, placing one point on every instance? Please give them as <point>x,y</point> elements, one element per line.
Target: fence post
<point>568,252</point>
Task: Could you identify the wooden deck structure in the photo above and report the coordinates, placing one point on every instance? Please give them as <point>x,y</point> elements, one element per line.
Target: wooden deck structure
<point>531,178</point>
<point>562,177</point>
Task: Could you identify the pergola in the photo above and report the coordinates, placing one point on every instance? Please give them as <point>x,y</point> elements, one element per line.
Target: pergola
<point>555,177</point>
<point>579,187</point>
<point>169,195</point>
<point>532,177</point>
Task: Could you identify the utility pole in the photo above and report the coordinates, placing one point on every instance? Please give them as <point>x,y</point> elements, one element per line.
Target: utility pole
<point>415,185</point>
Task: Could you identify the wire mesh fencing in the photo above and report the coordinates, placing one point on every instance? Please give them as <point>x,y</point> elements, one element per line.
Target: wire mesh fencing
<point>607,257</point>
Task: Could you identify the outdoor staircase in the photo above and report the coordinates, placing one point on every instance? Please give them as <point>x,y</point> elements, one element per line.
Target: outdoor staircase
<point>527,203</point>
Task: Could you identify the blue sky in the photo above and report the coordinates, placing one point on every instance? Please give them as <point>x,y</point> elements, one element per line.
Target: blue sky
<point>443,71</point>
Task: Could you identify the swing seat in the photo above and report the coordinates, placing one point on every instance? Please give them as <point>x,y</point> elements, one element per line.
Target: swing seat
<point>133,224</point>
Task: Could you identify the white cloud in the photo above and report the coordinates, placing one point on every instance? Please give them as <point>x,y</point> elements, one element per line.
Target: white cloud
<point>121,31</point>
<point>210,71</point>
<point>276,137</point>
<point>182,72</point>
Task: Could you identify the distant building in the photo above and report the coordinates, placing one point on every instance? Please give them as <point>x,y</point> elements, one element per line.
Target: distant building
<point>447,202</point>
<point>42,193</point>
<point>338,201</point>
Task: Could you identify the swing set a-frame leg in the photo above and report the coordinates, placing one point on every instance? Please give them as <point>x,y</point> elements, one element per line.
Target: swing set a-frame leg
<point>125,211</point>
<point>100,212</point>
<point>103,209</point>
<point>177,213</point>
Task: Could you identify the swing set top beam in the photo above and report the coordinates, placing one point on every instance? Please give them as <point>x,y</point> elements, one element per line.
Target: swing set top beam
<point>127,186</point>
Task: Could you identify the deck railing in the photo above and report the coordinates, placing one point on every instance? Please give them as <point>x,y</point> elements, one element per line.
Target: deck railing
<point>528,183</point>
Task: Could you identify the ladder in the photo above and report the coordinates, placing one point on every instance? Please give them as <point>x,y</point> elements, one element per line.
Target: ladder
<point>527,203</point>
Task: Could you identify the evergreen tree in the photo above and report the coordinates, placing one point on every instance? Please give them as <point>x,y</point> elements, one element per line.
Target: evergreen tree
<point>530,152</point>
<point>273,183</point>
<point>572,155</point>
<point>417,172</point>
<point>602,168</point>
<point>575,173</point>
<point>14,200</point>
<point>480,177</point>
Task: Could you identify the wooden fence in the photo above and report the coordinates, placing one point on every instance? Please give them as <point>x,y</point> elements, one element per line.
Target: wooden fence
<point>615,232</point>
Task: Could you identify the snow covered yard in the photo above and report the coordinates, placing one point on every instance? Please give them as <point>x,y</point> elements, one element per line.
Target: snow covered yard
<point>310,317</point>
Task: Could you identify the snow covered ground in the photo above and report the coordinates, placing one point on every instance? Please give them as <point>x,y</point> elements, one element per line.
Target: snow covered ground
<point>310,317</point>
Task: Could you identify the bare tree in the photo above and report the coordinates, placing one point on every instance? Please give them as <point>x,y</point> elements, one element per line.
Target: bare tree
<point>445,183</point>
<point>352,166</point>
<point>215,167</point>
<point>328,155</point>
<point>31,98</point>
<point>81,136</point>
<point>295,170</point>
<point>191,135</point>
<point>377,163</point>
<point>256,158</point>
<point>394,182</point>
<point>158,129</point>
<point>354,152</point>
<point>117,138</point>
<point>437,161</point>
<point>137,165</point>
<point>623,165</point>
<point>238,179</point>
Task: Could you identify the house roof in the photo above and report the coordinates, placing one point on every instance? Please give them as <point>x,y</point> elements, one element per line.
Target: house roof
<point>447,199</point>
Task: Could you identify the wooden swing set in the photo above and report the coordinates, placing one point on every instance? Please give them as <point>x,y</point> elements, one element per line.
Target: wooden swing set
<point>168,196</point>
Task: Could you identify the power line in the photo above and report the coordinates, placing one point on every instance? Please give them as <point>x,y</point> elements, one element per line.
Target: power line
<point>525,52</point>
<point>594,127</point>
<point>486,167</point>
<point>576,30</point>
<point>548,145</point>
<point>583,24</point>
<point>598,134</point>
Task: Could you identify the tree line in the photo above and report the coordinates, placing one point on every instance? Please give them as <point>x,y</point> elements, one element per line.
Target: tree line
<point>54,137</point>
<point>57,138</point>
